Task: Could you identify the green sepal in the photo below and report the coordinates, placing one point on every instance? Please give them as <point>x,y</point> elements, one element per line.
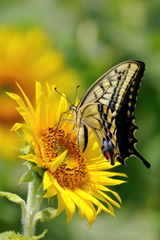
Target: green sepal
<point>30,175</point>
<point>40,192</point>
<point>39,170</point>
<point>21,135</point>
<point>14,236</point>
<point>27,177</point>
<point>45,215</point>
<point>25,150</point>
<point>29,164</point>
<point>37,177</point>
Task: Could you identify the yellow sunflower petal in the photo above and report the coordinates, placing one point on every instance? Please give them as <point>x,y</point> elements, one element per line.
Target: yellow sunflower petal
<point>68,203</point>
<point>86,208</point>
<point>16,127</point>
<point>57,161</point>
<point>33,158</point>
<point>47,180</point>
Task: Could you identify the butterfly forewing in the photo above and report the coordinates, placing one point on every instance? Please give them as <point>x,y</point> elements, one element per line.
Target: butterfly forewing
<point>111,87</point>
<point>107,108</point>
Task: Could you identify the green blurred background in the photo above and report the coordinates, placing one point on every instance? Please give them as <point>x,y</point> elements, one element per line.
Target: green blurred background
<point>94,36</point>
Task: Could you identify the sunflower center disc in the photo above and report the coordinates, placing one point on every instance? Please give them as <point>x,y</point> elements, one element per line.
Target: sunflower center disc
<point>72,172</point>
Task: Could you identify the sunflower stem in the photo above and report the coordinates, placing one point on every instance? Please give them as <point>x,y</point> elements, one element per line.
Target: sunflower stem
<point>32,207</point>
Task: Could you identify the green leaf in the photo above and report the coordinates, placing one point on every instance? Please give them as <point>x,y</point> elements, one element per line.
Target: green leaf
<point>45,215</point>
<point>14,236</point>
<point>13,197</point>
<point>40,236</point>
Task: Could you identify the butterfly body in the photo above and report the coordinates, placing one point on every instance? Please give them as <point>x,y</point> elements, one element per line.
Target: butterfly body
<point>107,108</point>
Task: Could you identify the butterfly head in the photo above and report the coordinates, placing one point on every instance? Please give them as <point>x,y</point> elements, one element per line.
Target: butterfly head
<point>74,113</point>
<point>73,108</point>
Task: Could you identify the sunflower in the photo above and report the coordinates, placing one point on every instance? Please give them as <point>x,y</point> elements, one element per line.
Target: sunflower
<point>77,179</point>
<point>26,57</point>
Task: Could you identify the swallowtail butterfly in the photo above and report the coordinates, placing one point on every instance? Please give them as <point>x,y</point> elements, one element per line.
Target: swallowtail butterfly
<point>107,110</point>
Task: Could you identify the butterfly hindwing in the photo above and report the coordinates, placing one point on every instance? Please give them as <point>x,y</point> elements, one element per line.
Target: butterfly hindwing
<point>101,121</point>
<point>125,122</point>
<point>107,110</point>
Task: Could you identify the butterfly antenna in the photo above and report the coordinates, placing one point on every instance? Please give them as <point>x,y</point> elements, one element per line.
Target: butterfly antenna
<point>62,95</point>
<point>76,94</point>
